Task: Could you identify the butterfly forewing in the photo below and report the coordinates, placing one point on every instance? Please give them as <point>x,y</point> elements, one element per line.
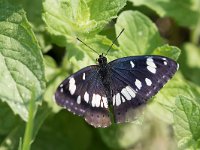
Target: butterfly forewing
<point>83,94</point>
<point>136,79</point>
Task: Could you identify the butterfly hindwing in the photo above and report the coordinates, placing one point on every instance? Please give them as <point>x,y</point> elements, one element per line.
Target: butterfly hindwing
<point>83,94</point>
<point>136,79</point>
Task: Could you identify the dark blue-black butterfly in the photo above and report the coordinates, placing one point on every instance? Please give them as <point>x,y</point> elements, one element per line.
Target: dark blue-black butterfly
<point>110,90</point>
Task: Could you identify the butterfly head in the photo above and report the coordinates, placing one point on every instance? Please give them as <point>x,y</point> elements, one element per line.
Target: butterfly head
<point>102,60</point>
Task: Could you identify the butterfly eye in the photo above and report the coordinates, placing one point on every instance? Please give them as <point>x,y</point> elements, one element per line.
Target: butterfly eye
<point>100,60</point>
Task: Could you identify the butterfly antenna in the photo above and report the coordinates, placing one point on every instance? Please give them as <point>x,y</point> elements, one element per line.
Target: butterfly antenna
<point>87,46</point>
<point>114,41</point>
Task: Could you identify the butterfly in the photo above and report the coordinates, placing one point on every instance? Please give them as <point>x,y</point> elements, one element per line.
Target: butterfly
<point>110,91</point>
<point>124,84</point>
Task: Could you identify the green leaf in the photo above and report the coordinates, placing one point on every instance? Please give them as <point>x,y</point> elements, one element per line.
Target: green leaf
<point>121,136</point>
<point>34,16</point>
<point>14,135</point>
<point>190,62</point>
<point>180,10</point>
<point>187,122</point>
<point>12,140</point>
<point>153,4</point>
<point>81,56</point>
<point>21,62</point>
<point>9,122</point>
<point>168,51</point>
<point>140,36</point>
<point>105,10</point>
<point>63,131</point>
<point>66,19</point>
<point>163,103</point>
<point>54,76</point>
<point>42,113</point>
<point>151,133</point>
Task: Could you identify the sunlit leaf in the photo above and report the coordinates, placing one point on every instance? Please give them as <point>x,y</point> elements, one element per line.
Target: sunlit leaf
<point>71,19</point>
<point>140,36</point>
<point>180,10</point>
<point>168,51</point>
<point>21,63</point>
<point>187,118</point>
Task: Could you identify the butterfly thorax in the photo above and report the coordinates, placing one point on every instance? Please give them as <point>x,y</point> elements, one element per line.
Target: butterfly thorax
<point>104,74</point>
<point>102,60</point>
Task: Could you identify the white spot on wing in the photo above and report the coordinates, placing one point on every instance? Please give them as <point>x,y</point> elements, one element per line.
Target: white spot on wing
<point>61,85</point>
<point>148,81</point>
<point>118,99</point>
<point>78,99</point>
<point>150,62</point>
<point>72,86</point>
<point>86,97</point>
<point>126,94</point>
<point>131,91</point>
<point>96,100</point>
<point>81,110</point>
<point>105,102</point>
<point>83,76</point>
<point>61,90</point>
<point>123,100</point>
<point>93,100</point>
<point>151,65</point>
<point>101,103</point>
<point>165,63</point>
<point>114,100</point>
<point>138,84</point>
<point>151,69</point>
<point>132,64</point>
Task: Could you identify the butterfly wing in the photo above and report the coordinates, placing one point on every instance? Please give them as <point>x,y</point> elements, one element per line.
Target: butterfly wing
<point>83,94</point>
<point>136,79</point>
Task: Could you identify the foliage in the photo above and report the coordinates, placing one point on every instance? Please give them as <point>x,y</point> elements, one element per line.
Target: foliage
<point>38,49</point>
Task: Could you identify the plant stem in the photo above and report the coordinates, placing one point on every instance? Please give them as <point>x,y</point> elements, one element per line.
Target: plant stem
<point>29,126</point>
